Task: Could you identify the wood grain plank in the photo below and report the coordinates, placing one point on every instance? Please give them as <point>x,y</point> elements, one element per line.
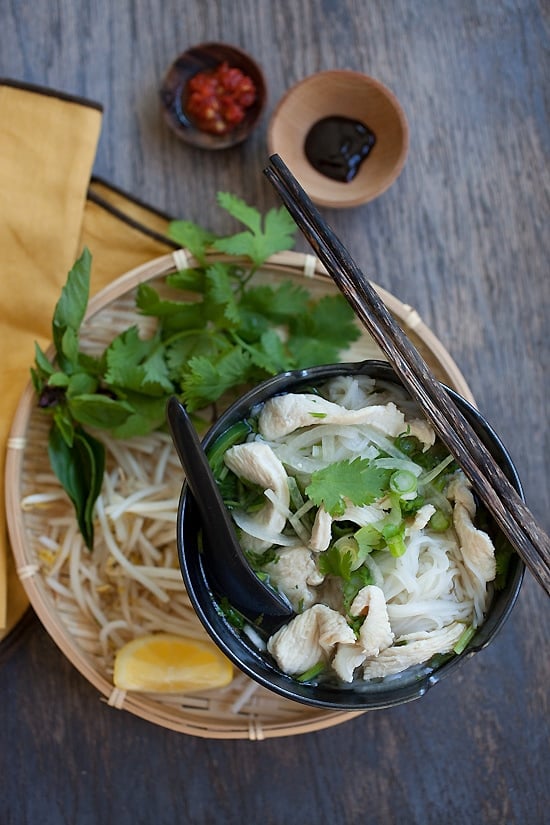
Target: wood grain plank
<point>463,237</point>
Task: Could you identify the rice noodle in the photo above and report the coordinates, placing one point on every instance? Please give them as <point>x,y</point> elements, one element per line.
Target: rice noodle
<point>430,589</point>
<point>131,584</point>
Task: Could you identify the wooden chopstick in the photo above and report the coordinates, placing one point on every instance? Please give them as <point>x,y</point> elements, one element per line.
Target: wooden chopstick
<point>509,510</point>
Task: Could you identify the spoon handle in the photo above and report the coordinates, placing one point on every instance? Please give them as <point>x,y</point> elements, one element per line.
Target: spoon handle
<point>226,566</point>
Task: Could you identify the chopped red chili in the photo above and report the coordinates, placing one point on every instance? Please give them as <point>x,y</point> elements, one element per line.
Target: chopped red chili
<point>217,100</point>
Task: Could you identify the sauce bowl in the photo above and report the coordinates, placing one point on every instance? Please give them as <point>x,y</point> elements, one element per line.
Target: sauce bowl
<point>351,95</point>
<point>207,57</point>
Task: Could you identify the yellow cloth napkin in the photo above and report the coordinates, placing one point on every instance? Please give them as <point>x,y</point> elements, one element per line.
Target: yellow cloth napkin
<point>49,209</point>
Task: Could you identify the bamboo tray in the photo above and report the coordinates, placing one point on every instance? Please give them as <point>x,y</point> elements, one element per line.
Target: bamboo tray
<point>243,710</point>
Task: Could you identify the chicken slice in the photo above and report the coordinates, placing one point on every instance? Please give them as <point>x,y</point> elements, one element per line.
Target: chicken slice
<point>347,659</point>
<point>421,518</point>
<point>285,413</point>
<point>256,462</point>
<point>375,633</point>
<point>309,638</point>
<point>322,531</point>
<point>477,549</point>
<point>295,573</point>
<point>412,649</point>
<point>425,433</point>
<point>322,526</point>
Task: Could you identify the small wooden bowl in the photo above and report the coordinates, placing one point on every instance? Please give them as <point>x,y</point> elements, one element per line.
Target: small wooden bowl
<point>352,95</point>
<point>206,57</point>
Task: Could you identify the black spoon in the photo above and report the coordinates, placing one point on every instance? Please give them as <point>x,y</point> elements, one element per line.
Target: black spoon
<point>226,566</point>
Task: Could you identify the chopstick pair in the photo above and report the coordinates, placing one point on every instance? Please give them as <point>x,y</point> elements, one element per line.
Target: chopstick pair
<point>501,499</point>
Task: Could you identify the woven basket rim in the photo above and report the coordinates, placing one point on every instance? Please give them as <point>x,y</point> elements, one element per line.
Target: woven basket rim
<point>296,264</point>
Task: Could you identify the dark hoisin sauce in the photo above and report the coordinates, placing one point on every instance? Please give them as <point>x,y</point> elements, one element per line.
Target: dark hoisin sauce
<point>336,146</point>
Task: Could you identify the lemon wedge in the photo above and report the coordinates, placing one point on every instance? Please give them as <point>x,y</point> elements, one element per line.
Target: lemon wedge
<point>166,663</point>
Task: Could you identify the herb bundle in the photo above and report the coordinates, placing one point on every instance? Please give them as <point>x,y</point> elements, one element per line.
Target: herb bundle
<point>231,334</point>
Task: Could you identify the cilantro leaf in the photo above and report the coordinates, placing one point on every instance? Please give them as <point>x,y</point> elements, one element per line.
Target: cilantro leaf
<point>180,350</point>
<point>241,211</point>
<point>149,302</point>
<point>190,280</point>
<point>318,335</point>
<point>337,561</point>
<point>137,364</point>
<point>257,244</point>
<point>279,304</point>
<point>270,353</point>
<point>334,562</point>
<point>192,237</point>
<point>206,380</point>
<point>220,291</point>
<point>358,480</point>
<point>147,414</point>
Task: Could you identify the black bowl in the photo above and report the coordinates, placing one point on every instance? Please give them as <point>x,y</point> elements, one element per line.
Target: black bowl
<point>260,666</point>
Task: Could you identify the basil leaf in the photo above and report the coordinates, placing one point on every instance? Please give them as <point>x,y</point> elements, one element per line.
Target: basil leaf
<point>80,471</point>
<point>96,410</point>
<point>81,383</point>
<point>70,310</point>
<point>64,423</point>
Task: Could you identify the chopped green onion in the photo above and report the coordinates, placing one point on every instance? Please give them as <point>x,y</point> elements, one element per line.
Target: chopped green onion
<point>428,477</point>
<point>296,498</point>
<point>234,435</point>
<point>396,545</point>
<point>408,444</point>
<point>464,639</point>
<point>391,530</point>
<point>398,464</point>
<point>368,537</point>
<point>403,482</point>
<point>348,544</point>
<point>439,522</point>
<point>311,673</point>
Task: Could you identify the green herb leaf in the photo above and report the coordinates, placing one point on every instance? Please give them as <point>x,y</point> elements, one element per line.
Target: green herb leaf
<point>333,562</point>
<point>80,470</point>
<point>137,364</point>
<point>358,480</point>
<point>270,354</point>
<point>256,244</point>
<point>207,381</point>
<point>317,336</point>
<point>58,379</point>
<point>220,291</point>
<point>70,310</point>
<point>81,383</point>
<point>147,414</point>
<point>191,237</point>
<point>279,304</point>
<point>97,410</point>
<point>183,314</point>
<point>188,280</point>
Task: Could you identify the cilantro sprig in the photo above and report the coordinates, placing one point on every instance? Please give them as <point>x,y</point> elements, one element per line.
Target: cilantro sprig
<point>218,334</point>
<point>359,481</point>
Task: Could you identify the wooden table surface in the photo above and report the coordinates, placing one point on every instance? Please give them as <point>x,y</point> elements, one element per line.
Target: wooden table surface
<point>463,237</point>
